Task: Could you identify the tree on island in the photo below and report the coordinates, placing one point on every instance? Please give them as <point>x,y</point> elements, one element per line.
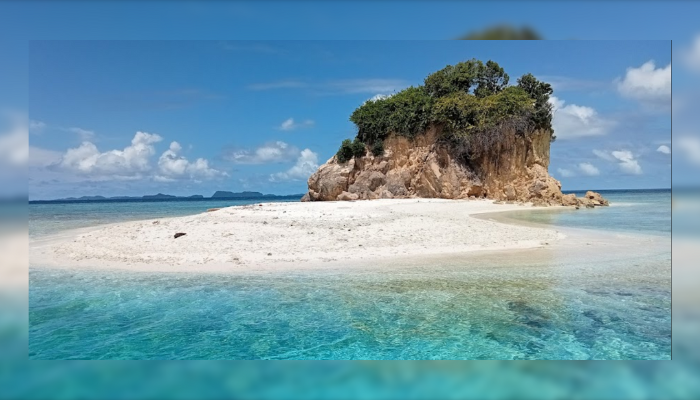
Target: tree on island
<point>471,102</point>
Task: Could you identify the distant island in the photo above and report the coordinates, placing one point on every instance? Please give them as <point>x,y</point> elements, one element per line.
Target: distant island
<point>219,195</point>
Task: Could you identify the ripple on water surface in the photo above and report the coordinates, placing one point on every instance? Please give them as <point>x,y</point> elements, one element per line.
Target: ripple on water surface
<point>478,311</point>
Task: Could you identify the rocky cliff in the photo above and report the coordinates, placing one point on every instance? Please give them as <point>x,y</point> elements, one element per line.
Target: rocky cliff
<point>512,169</point>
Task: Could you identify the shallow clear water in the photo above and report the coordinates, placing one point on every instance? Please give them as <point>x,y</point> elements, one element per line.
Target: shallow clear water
<point>46,218</point>
<point>542,305</point>
<point>640,211</point>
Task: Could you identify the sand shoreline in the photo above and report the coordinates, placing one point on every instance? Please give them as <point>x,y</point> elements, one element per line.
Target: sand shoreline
<point>283,236</point>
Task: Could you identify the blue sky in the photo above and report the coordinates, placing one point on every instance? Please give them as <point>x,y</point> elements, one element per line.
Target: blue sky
<point>264,114</point>
<point>202,95</point>
<point>343,19</point>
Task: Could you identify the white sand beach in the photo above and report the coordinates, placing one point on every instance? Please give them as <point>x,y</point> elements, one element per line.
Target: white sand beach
<point>279,235</point>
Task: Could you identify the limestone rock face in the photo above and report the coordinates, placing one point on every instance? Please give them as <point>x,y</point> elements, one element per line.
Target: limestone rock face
<point>596,199</point>
<point>569,200</point>
<point>514,171</point>
<point>330,180</point>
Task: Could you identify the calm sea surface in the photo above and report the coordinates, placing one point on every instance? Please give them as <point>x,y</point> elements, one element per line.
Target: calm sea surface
<point>608,307</point>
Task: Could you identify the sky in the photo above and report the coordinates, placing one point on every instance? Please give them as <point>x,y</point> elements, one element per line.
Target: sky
<point>259,115</point>
<point>191,117</point>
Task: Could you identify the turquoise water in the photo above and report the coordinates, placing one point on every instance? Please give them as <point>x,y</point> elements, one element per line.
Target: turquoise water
<point>542,306</point>
<point>638,211</point>
<point>47,218</point>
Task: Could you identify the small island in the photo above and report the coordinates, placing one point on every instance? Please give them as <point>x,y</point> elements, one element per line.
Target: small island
<point>419,154</point>
<point>464,134</point>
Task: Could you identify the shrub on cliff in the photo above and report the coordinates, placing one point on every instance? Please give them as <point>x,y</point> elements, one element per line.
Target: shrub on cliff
<point>540,92</point>
<point>461,113</point>
<point>456,112</point>
<point>406,113</point>
<point>345,153</point>
<point>358,148</point>
<point>378,148</point>
<point>349,149</point>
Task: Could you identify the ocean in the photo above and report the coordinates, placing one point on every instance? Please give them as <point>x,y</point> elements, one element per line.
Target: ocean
<point>554,306</point>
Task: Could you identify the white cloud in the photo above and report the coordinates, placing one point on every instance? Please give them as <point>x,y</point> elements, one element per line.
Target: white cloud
<point>339,86</point>
<point>627,162</point>
<point>306,165</point>
<point>83,133</point>
<point>588,169</point>
<point>565,83</point>
<point>664,149</point>
<point>172,166</point>
<point>36,126</point>
<point>131,162</point>
<point>647,84</point>
<point>573,121</point>
<point>287,125</point>
<point>368,85</point>
<point>14,143</point>
<point>272,152</point>
<point>290,84</point>
<point>290,124</point>
<point>624,159</point>
<point>39,157</point>
<point>380,96</point>
<point>604,155</point>
<point>690,146</point>
<point>692,55</point>
<point>566,173</point>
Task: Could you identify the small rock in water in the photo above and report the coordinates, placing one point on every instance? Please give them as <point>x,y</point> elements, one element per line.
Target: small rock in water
<point>156,222</point>
<point>177,235</point>
<point>269,254</point>
<point>213,209</point>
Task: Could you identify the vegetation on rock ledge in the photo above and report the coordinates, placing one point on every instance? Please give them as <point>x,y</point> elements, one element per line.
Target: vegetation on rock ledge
<point>471,102</point>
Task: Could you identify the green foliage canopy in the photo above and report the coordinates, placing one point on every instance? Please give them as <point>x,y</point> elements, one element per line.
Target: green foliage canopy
<point>540,92</point>
<point>378,148</point>
<point>345,153</point>
<point>406,113</point>
<point>358,148</point>
<point>461,113</point>
<point>465,98</point>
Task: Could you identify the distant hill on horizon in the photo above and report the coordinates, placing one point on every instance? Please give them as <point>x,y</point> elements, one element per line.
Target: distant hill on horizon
<point>219,194</point>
